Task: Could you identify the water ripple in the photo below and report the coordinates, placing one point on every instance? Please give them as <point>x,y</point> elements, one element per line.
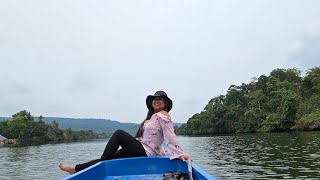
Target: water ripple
<point>244,156</point>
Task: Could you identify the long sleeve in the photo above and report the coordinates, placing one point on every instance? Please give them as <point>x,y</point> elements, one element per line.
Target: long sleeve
<point>173,148</point>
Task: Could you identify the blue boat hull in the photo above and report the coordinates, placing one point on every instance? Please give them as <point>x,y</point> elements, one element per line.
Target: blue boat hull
<point>138,168</point>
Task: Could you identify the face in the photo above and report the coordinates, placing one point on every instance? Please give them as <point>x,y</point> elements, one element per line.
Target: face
<point>158,104</point>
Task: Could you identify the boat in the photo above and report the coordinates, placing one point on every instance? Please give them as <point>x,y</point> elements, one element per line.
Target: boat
<point>144,168</point>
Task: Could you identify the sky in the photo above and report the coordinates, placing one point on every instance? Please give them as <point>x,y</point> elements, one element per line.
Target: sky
<point>101,59</point>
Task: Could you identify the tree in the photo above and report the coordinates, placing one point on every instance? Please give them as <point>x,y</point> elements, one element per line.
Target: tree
<point>311,83</point>
<point>278,102</point>
<point>290,75</point>
<point>284,105</point>
<point>22,116</point>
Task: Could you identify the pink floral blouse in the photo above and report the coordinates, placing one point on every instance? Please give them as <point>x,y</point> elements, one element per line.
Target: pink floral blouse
<point>157,129</point>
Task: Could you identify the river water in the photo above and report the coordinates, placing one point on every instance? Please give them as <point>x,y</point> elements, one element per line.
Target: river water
<point>241,156</point>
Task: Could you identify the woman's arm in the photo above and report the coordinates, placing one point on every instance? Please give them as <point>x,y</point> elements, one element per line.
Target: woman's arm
<point>170,137</point>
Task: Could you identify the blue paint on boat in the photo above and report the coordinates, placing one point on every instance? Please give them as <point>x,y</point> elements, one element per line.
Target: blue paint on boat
<point>144,168</point>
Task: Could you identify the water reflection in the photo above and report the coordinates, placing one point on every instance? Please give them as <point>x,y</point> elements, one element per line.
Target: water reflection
<point>259,156</point>
<point>244,156</point>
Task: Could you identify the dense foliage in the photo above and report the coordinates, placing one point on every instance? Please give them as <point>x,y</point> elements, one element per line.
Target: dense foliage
<point>23,128</point>
<point>282,101</point>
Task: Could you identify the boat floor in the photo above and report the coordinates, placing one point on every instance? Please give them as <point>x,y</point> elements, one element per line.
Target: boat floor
<point>134,177</point>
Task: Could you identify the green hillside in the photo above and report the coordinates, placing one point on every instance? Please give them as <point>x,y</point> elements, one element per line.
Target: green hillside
<point>283,101</point>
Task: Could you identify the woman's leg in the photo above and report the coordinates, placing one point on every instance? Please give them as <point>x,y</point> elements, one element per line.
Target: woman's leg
<point>118,154</point>
<point>79,167</point>
<point>130,148</point>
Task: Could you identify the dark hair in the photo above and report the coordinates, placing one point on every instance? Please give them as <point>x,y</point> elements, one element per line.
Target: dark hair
<point>140,130</point>
<point>150,113</point>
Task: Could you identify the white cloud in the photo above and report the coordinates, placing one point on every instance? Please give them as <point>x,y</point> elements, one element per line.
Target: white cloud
<point>296,47</point>
<point>313,29</point>
<point>305,52</point>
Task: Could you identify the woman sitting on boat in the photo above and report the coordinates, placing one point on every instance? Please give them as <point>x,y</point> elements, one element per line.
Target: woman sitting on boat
<point>153,131</point>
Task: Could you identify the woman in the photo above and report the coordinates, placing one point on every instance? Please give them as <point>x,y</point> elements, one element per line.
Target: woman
<point>156,128</point>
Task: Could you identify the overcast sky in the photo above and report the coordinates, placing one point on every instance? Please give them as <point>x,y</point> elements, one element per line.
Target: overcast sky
<point>100,59</point>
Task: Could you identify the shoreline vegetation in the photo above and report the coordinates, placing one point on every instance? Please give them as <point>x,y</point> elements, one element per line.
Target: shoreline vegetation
<point>22,129</point>
<point>284,101</point>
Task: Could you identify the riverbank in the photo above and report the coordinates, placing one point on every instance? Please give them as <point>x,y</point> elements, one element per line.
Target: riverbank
<point>8,141</point>
<point>17,143</point>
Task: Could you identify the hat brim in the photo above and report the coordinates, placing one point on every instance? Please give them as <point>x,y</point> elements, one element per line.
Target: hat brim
<point>151,97</point>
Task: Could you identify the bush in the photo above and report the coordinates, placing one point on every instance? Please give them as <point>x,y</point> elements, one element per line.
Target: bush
<point>308,122</point>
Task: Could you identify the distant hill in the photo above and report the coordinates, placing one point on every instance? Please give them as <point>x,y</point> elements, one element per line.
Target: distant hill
<point>97,125</point>
<point>177,124</point>
<point>4,118</point>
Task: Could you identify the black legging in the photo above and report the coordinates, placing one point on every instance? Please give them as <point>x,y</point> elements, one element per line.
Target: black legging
<point>130,148</point>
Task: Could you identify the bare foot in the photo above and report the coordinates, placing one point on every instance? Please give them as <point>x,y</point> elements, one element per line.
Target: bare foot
<point>67,168</point>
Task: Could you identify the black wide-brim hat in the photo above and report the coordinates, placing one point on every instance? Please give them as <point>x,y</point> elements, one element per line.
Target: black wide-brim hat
<point>159,94</point>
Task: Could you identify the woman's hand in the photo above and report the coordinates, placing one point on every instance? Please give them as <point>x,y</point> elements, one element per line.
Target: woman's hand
<point>184,157</point>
